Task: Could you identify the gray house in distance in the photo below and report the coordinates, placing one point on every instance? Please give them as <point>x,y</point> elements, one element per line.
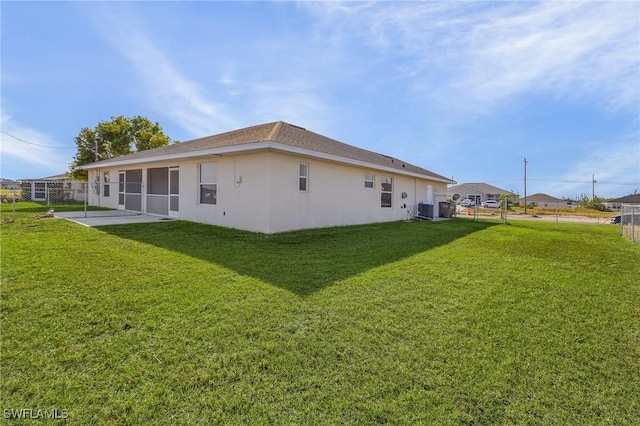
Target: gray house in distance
<point>616,203</point>
<point>478,192</point>
<point>8,184</point>
<point>543,200</point>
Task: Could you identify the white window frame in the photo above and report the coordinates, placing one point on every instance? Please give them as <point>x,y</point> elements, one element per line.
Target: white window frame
<point>202,183</point>
<point>106,191</point>
<point>369,180</point>
<point>303,177</point>
<point>386,180</point>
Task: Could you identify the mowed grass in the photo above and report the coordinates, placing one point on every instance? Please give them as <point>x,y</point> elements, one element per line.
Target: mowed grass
<point>454,322</point>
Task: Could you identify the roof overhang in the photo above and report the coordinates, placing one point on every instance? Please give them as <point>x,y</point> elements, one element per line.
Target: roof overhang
<point>253,147</point>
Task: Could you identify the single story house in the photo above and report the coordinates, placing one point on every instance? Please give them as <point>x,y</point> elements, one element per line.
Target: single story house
<point>616,203</point>
<point>543,200</point>
<point>8,184</point>
<point>8,189</point>
<point>477,192</point>
<point>57,189</point>
<point>268,178</point>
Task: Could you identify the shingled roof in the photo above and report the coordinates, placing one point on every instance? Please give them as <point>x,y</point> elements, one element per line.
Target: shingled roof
<point>280,135</point>
<point>630,199</point>
<point>480,188</point>
<point>542,198</point>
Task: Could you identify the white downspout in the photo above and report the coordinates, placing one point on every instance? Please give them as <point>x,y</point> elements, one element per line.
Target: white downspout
<point>415,197</point>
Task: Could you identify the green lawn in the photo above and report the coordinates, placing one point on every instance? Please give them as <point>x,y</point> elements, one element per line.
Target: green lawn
<point>454,322</point>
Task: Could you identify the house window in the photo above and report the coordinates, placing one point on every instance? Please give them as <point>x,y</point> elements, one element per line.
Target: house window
<point>208,185</point>
<point>96,184</point>
<point>368,180</point>
<point>387,191</point>
<point>106,184</point>
<point>303,177</point>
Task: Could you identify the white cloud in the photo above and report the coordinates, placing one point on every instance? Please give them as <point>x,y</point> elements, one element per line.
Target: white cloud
<point>242,94</point>
<point>167,90</point>
<point>465,55</point>
<point>566,47</point>
<point>21,159</point>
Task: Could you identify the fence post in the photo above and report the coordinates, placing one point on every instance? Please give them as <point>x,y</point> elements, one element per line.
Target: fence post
<point>633,230</point>
<point>503,213</point>
<point>86,194</point>
<point>14,204</point>
<point>621,226</point>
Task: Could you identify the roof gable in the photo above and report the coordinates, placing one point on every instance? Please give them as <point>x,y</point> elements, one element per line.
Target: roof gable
<point>278,132</point>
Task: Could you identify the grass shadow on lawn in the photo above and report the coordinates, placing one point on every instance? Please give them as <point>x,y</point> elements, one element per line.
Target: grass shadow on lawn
<point>301,262</point>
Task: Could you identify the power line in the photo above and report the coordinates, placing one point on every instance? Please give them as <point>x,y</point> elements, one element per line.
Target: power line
<point>600,182</point>
<point>592,180</point>
<point>33,143</point>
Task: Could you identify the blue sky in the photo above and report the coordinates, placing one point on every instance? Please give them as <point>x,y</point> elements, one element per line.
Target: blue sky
<point>465,89</point>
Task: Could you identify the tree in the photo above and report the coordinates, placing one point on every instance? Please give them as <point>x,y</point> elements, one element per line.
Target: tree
<point>595,203</point>
<point>120,136</point>
<point>509,198</point>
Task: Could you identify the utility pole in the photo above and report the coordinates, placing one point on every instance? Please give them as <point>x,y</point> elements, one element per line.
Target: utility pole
<point>525,185</point>
<point>593,187</point>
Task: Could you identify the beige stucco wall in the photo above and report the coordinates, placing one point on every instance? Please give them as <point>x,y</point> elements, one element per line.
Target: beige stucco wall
<point>259,192</point>
<point>336,196</point>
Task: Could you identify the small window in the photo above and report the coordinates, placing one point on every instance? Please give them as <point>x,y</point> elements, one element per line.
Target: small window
<point>303,177</point>
<point>386,194</point>
<point>368,180</point>
<point>106,184</point>
<point>208,185</point>
<point>95,184</point>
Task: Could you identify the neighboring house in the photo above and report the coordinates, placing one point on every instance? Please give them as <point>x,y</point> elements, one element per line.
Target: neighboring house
<point>543,200</point>
<point>267,178</point>
<point>477,192</point>
<point>616,203</point>
<point>8,184</point>
<point>58,188</point>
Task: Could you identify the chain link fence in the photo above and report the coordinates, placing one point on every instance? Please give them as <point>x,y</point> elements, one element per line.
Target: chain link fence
<point>629,220</point>
<point>53,192</point>
<point>45,196</point>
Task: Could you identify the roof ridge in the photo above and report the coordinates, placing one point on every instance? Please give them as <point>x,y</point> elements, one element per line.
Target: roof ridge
<point>276,130</point>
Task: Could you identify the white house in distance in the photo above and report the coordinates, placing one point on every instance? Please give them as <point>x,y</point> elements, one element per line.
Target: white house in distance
<point>58,188</point>
<point>267,178</point>
<point>477,192</point>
